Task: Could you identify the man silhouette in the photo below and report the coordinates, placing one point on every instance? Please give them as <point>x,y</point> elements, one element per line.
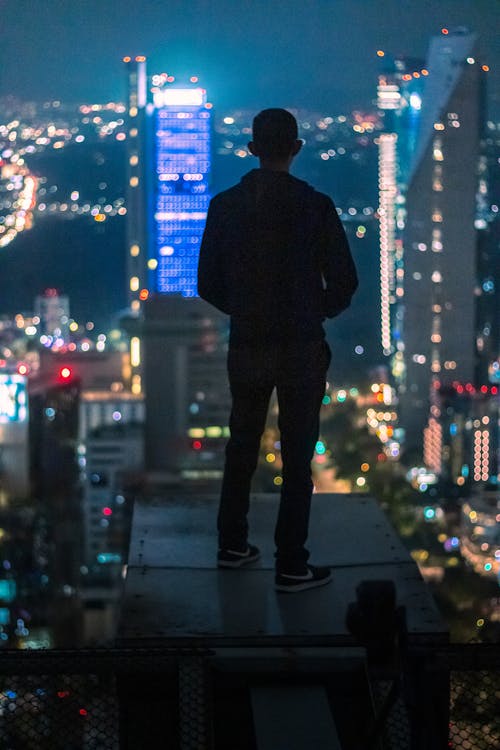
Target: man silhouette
<point>274,256</point>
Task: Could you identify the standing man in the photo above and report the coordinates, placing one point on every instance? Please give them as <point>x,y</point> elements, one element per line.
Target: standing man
<point>275,257</point>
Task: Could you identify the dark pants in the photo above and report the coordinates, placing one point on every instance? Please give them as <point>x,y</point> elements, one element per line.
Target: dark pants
<point>298,371</point>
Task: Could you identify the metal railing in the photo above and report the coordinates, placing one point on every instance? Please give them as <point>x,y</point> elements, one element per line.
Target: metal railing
<point>72,699</point>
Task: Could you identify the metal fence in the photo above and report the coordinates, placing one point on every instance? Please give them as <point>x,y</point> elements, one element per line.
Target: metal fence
<point>474,671</point>
<point>58,712</point>
<point>475,710</point>
<point>69,700</point>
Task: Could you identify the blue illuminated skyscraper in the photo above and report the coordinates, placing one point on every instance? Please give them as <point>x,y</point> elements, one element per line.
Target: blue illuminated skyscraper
<point>181,191</point>
<point>168,182</point>
<point>177,341</point>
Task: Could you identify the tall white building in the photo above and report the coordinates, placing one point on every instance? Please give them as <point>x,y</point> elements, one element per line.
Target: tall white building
<point>428,164</point>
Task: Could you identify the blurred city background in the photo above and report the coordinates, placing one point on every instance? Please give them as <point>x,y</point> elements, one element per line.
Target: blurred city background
<point>114,134</point>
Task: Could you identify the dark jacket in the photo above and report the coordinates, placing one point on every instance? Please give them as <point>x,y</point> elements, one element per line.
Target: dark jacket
<point>275,257</point>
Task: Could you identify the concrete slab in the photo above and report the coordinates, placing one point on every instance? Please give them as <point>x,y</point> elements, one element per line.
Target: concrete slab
<point>209,605</point>
<point>175,594</point>
<point>344,530</point>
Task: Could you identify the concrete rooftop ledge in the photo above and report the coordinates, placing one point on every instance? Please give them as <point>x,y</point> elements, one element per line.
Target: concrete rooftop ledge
<point>175,595</point>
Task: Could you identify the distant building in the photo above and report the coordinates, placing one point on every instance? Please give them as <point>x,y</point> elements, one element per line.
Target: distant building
<point>182,155</point>
<point>169,161</point>
<point>488,257</point>
<point>399,100</point>
<point>85,429</point>
<point>52,309</point>
<point>438,300</point>
<point>461,443</point>
<point>110,444</point>
<point>137,176</point>
<point>177,341</point>
<point>14,453</point>
<point>105,453</point>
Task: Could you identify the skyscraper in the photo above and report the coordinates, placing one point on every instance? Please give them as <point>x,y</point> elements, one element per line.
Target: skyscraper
<point>428,235</point>
<point>168,182</point>
<point>176,336</point>
<point>440,237</point>
<point>181,197</point>
<point>137,171</point>
<point>399,101</point>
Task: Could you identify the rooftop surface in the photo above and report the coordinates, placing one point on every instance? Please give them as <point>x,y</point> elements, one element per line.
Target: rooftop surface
<point>175,595</point>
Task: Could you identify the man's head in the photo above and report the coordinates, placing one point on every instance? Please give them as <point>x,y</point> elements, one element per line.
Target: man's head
<point>275,137</point>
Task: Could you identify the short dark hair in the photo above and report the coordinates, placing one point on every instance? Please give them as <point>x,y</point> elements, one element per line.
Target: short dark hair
<point>274,132</point>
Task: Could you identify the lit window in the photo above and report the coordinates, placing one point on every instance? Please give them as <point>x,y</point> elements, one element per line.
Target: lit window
<point>135,351</point>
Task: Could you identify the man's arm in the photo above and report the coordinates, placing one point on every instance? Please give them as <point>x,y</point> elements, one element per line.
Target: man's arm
<point>211,276</point>
<point>337,265</point>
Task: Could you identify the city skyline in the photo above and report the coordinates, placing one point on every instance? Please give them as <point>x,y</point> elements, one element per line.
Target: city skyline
<point>297,58</point>
<point>91,415</point>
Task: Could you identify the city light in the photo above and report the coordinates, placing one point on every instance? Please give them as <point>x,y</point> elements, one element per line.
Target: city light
<point>175,97</point>
<point>161,140</point>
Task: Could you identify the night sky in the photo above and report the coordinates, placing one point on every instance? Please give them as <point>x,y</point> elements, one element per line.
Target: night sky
<point>256,53</point>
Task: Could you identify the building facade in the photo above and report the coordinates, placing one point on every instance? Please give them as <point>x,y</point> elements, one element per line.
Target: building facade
<point>178,342</point>
<point>181,190</point>
<point>434,335</point>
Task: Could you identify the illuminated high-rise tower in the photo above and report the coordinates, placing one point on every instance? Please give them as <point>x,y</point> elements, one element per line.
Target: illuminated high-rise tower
<point>168,182</point>
<point>181,197</point>
<point>440,242</point>
<point>399,101</point>
<point>177,349</point>
<point>137,170</point>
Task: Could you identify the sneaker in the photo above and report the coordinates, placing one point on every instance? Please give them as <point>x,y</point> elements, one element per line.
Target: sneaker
<point>230,558</point>
<point>310,579</point>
